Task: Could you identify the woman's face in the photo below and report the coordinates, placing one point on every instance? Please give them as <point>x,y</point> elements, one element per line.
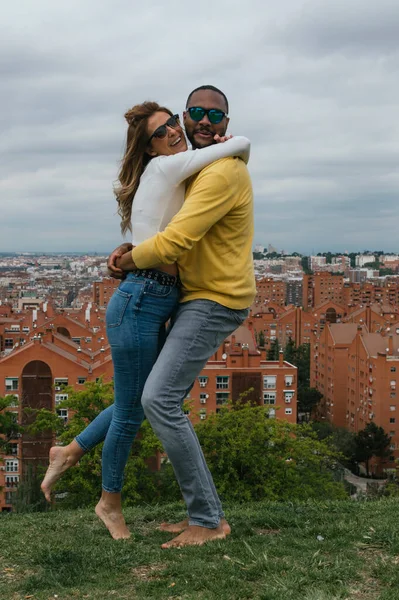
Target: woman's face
<point>169,137</point>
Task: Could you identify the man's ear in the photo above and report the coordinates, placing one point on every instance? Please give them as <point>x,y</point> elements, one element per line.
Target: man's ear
<point>184,116</point>
<point>227,122</point>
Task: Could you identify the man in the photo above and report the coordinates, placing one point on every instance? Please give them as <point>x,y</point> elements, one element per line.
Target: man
<point>211,240</point>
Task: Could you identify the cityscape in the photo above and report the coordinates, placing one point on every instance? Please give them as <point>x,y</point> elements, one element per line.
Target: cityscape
<point>343,308</point>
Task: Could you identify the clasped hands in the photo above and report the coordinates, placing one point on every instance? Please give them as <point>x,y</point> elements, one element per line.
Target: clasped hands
<point>121,261</point>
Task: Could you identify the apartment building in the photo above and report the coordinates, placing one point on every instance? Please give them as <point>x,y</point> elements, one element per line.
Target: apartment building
<point>270,290</point>
<point>321,287</point>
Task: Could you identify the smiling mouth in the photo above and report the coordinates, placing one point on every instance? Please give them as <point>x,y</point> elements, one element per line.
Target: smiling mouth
<point>176,141</point>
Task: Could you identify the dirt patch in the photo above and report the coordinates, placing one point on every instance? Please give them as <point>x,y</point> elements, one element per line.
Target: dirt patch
<point>268,531</point>
<point>148,572</point>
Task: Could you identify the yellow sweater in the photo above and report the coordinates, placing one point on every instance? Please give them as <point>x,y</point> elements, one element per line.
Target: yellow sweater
<point>210,238</point>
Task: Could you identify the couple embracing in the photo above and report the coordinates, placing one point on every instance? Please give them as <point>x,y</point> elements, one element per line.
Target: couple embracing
<point>191,215</point>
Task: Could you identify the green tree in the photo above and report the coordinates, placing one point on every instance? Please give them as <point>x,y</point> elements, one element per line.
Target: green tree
<point>305,265</point>
<point>252,457</point>
<point>274,350</point>
<point>9,428</point>
<point>308,399</point>
<point>290,351</point>
<point>261,339</point>
<point>369,442</point>
<point>83,483</point>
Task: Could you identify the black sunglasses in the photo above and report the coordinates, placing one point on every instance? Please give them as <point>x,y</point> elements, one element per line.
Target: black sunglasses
<point>197,113</point>
<point>162,130</point>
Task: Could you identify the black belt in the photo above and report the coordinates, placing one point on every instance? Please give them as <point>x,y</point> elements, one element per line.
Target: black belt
<point>158,276</point>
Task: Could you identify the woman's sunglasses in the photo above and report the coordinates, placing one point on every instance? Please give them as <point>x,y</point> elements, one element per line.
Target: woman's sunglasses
<point>162,131</point>
<point>197,113</point>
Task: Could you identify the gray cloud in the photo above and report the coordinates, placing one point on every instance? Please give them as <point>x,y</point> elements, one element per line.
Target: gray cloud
<point>313,84</point>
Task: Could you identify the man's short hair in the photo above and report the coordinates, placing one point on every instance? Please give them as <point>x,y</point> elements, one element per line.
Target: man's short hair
<point>212,88</point>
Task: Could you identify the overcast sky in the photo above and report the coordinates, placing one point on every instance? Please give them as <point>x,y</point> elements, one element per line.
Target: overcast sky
<point>314,85</point>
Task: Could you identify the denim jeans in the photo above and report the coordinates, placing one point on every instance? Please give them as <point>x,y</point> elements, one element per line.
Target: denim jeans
<point>200,326</point>
<point>135,317</point>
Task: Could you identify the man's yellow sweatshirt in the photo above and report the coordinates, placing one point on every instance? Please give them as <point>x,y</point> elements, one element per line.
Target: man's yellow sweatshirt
<point>210,238</point>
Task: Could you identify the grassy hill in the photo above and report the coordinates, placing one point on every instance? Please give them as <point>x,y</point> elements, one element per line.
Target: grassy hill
<point>291,551</point>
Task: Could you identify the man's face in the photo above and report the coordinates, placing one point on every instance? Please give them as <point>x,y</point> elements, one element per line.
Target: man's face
<point>201,133</point>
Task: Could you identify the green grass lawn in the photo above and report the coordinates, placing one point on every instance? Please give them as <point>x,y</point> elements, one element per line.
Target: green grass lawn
<point>273,554</point>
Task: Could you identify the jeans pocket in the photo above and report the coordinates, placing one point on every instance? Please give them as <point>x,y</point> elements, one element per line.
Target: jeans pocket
<point>116,308</point>
<point>239,315</point>
<point>157,290</point>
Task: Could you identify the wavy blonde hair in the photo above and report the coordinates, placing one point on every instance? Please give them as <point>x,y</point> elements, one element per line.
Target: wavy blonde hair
<point>135,158</point>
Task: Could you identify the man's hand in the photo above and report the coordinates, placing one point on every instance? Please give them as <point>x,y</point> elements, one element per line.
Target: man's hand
<point>113,270</point>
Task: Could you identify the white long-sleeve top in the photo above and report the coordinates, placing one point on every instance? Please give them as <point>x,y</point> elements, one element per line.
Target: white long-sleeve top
<point>160,194</point>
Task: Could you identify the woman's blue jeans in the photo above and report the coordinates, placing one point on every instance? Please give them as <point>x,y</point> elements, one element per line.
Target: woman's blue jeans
<point>135,317</point>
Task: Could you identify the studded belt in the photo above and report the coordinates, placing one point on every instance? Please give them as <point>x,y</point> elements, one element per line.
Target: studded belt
<point>158,276</point>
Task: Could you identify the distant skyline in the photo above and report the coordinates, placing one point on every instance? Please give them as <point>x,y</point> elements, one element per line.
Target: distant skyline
<point>313,85</point>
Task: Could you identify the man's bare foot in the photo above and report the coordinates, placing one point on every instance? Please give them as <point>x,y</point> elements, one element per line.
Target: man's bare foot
<point>60,461</point>
<point>113,520</point>
<point>182,525</point>
<point>195,536</point>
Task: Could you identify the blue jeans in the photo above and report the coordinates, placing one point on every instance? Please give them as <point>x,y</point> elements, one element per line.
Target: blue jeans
<point>199,327</point>
<point>135,317</point>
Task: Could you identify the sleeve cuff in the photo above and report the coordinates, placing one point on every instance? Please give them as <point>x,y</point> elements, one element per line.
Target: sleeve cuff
<point>144,255</point>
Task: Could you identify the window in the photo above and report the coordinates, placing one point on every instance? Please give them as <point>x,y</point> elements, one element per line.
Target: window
<point>288,396</point>
<point>269,382</point>
<point>81,380</point>
<point>76,341</point>
<point>222,382</point>
<point>12,480</point>
<point>203,414</point>
<point>63,414</point>
<point>392,420</point>
<point>60,398</point>
<point>186,411</point>
<point>222,398</point>
<point>391,458</point>
<point>9,497</point>
<point>12,466</point>
<point>392,447</point>
<point>392,433</point>
<point>12,449</point>
<point>203,380</point>
<point>392,408</point>
<point>8,343</point>
<point>272,413</point>
<point>11,384</point>
<point>203,398</point>
<point>269,397</point>
<point>288,380</point>
<point>288,411</point>
<point>393,369</point>
<point>393,394</point>
<point>60,383</point>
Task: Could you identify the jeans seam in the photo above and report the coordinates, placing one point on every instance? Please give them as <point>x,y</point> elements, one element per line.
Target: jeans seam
<point>115,461</point>
<point>174,377</point>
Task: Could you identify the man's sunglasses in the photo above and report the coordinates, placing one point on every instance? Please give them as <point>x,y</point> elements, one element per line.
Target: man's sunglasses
<point>162,130</point>
<point>197,113</point>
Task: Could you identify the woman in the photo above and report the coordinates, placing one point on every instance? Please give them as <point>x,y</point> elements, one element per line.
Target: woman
<point>150,192</point>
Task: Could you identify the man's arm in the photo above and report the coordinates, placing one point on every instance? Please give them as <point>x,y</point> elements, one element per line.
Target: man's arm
<point>212,197</point>
<point>114,270</point>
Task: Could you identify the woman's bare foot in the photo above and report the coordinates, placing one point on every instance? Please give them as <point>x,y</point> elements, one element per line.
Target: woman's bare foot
<point>109,511</point>
<point>182,525</point>
<point>61,458</point>
<point>196,536</point>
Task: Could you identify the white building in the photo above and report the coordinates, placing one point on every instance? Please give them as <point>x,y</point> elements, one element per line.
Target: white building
<point>362,259</point>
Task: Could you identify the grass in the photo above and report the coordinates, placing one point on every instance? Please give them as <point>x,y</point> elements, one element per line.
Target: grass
<point>273,554</point>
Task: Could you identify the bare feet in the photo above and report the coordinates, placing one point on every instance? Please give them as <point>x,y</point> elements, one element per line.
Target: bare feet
<point>113,520</point>
<point>182,525</point>
<point>61,458</point>
<point>196,536</point>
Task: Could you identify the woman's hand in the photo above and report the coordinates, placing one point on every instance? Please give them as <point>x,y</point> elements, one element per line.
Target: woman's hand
<point>220,139</point>
<point>113,269</point>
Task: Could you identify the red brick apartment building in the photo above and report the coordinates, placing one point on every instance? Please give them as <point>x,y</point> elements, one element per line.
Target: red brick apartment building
<point>270,290</point>
<point>53,349</point>
<point>356,372</point>
<point>321,287</point>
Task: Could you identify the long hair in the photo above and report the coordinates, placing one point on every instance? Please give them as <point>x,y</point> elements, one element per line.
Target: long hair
<point>135,158</point>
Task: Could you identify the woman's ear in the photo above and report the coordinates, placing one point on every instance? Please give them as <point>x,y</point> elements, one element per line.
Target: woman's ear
<point>151,152</point>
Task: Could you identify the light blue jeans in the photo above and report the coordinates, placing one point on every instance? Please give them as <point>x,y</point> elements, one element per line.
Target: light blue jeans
<point>199,327</point>
<point>135,317</point>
